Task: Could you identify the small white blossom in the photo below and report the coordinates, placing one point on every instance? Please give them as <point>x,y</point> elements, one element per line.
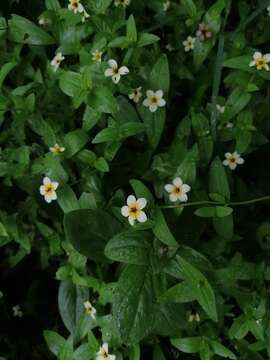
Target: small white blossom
<point>177,190</point>
<point>133,209</point>
<point>56,61</point>
<point>56,149</point>
<point>48,189</point>
<point>220,108</point>
<point>154,100</point>
<point>203,32</point>
<point>194,317</point>
<point>90,310</point>
<point>43,21</point>
<point>76,6</point>
<point>136,94</point>
<point>232,160</point>
<point>85,16</point>
<point>169,47</point>
<point>268,10</point>
<point>17,312</point>
<point>189,43</point>
<point>123,3</point>
<point>115,72</point>
<point>97,56</point>
<point>166,5</point>
<point>103,353</point>
<point>260,61</point>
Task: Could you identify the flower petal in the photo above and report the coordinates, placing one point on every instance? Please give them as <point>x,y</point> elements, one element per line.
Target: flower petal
<point>226,162</point>
<point>112,63</point>
<point>161,103</point>
<point>124,211</point>
<point>183,197</point>
<point>105,347</point>
<point>142,202</point>
<point>257,55</point>
<point>169,188</point>
<point>150,93</point>
<point>108,72</point>
<point>146,102</point>
<point>131,199</point>
<point>131,220</point>
<point>46,180</point>
<point>42,190</point>
<point>232,166</point>
<point>142,217</point>
<point>159,93</point>
<point>173,197</point>
<point>153,107</point>
<point>116,78</point>
<point>252,63</point>
<point>240,161</point>
<point>123,70</point>
<point>55,184</point>
<point>48,198</point>
<point>186,188</point>
<point>177,181</point>
<point>111,357</point>
<point>267,57</point>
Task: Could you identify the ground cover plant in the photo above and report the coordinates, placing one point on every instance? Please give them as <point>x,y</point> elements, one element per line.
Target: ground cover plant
<point>135,181</point>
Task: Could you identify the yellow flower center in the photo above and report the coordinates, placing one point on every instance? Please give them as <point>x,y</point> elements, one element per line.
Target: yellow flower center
<point>154,100</point>
<point>260,62</point>
<point>233,160</point>
<point>105,355</point>
<point>177,190</point>
<point>134,211</point>
<point>115,71</point>
<point>49,189</point>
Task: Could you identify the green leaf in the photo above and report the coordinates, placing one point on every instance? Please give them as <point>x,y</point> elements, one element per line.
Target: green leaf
<point>223,211</point>
<point>145,39</point>
<point>154,124</point>
<point>180,293</point>
<point>190,8</point>
<point>133,303</point>
<point>188,345</point>
<point>162,231</point>
<point>218,182</point>
<point>52,5</point>
<point>240,63</point>
<point>24,31</point>
<point>135,352</point>
<point>131,129</point>
<point>221,350</point>
<point>67,199</point>
<point>102,100</point>
<point>130,247</point>
<point>99,6</point>
<point>141,190</point>
<point>131,29</point>
<point>55,342</point>
<point>74,141</point>
<point>71,83</point>
<point>120,42</point>
<point>5,70</point>
<point>201,288</point>
<point>236,102</point>
<point>90,230</point>
<point>187,169</point>
<point>106,135</point>
<point>205,143</point>
<point>160,75</point>
<point>70,302</point>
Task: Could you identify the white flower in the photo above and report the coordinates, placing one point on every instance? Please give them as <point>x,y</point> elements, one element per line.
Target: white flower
<point>203,32</point>
<point>220,108</point>
<point>1,294</point>
<point>194,317</point>
<point>260,61</point>
<point>136,94</point>
<point>177,190</point>
<point>56,149</point>
<point>166,5</point>
<point>76,6</point>
<point>268,10</point>
<point>48,189</point>
<point>44,21</point>
<point>97,56</point>
<point>103,353</point>
<point>169,47</point>
<point>85,16</point>
<point>56,61</point>
<point>133,209</point>
<point>17,312</point>
<point>229,125</point>
<point>189,43</point>
<point>232,160</point>
<point>154,100</point>
<point>90,310</point>
<point>123,3</point>
<point>115,72</point>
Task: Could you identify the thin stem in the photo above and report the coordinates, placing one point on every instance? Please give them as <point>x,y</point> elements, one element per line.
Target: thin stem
<point>209,202</point>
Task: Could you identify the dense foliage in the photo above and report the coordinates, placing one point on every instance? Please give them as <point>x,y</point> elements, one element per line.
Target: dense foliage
<point>135,181</point>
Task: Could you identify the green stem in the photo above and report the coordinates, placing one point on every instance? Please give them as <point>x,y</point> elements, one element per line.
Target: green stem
<point>209,202</point>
